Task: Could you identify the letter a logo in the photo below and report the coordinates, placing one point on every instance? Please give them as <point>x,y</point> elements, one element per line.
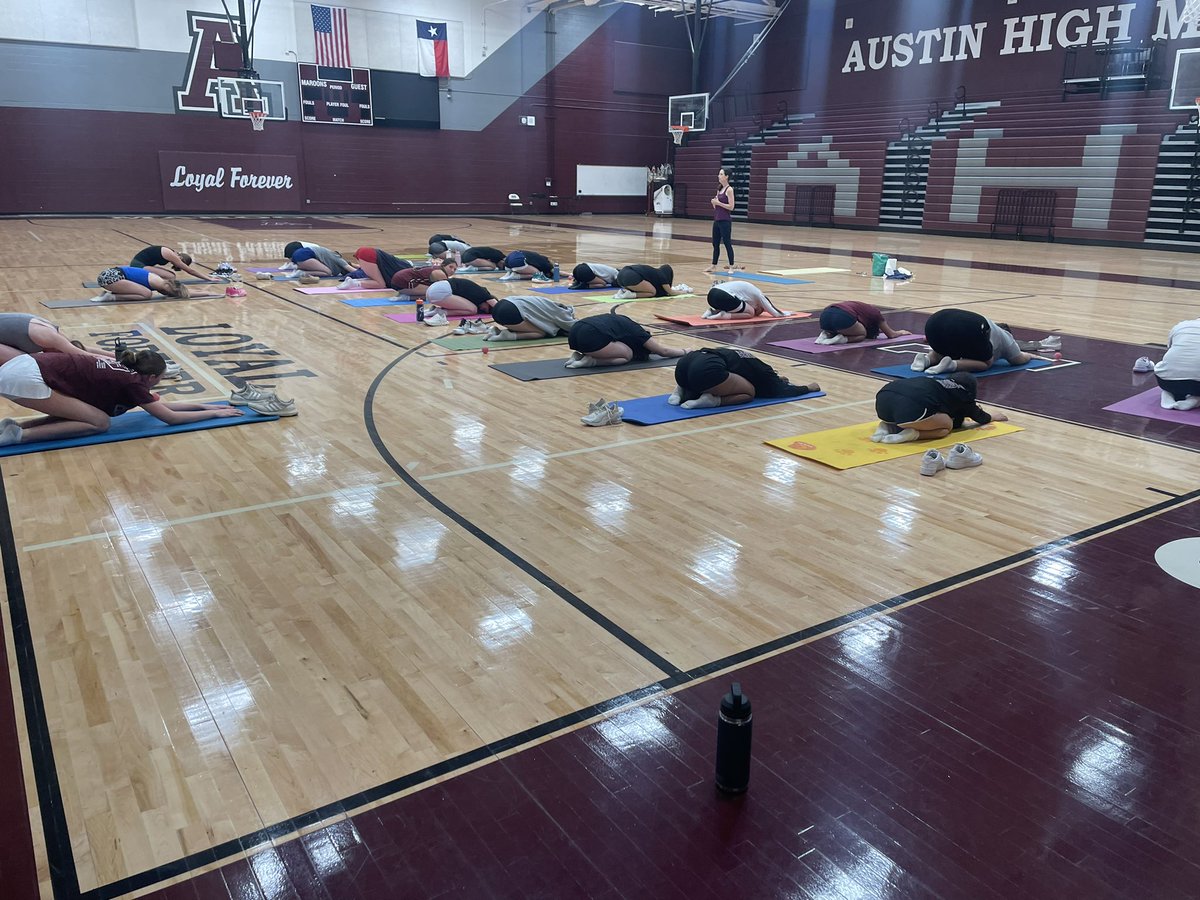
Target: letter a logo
<point>198,93</point>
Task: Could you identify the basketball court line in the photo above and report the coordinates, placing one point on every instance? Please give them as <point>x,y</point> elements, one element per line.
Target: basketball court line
<point>62,860</point>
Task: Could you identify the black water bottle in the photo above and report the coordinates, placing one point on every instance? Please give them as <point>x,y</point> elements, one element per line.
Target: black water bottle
<point>733,741</point>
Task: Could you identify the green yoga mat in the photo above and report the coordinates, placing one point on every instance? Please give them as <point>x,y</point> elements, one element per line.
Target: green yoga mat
<point>477,342</point>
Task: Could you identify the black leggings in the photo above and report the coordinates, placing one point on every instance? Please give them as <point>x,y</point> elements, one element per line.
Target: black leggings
<point>722,232</point>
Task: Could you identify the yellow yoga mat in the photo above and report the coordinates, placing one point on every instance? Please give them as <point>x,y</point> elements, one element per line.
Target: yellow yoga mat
<point>851,446</point>
<point>819,270</point>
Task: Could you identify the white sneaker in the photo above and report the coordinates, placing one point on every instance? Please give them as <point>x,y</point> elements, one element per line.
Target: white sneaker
<point>681,288</point>
<point>963,457</point>
<point>932,462</point>
<point>273,406</point>
<point>436,319</point>
<point>539,278</point>
<point>249,392</point>
<point>920,362</point>
<point>624,294</point>
<point>1143,364</point>
<point>510,276</point>
<point>173,370</point>
<point>609,414</point>
<point>1053,342</point>
<point>599,404</point>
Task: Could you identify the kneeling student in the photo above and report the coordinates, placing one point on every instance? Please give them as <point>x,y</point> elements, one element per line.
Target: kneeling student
<point>923,409</point>
<point>724,376</point>
<point>611,339</point>
<point>740,300</point>
<point>529,318</point>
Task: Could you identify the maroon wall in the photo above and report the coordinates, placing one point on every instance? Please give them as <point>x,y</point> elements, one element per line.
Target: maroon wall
<point>82,161</point>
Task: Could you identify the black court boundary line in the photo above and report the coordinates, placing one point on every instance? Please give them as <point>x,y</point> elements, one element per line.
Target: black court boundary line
<point>1115,277</point>
<point>64,878</point>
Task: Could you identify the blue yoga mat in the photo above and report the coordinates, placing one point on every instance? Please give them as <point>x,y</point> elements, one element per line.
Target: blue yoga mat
<point>1000,368</point>
<point>656,410</point>
<point>364,303</point>
<point>130,427</point>
<point>563,289</point>
<point>755,276</point>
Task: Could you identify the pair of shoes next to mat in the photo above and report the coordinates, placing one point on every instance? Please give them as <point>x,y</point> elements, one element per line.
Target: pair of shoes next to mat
<point>437,318</point>
<point>579,361</point>
<point>602,413</point>
<point>471,326</point>
<point>681,288</point>
<point>539,278</point>
<point>960,457</point>
<point>262,401</point>
<point>1143,364</point>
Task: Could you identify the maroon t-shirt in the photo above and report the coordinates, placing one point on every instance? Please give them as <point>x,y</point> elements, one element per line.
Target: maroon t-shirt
<point>410,278</point>
<point>102,383</point>
<point>869,316</point>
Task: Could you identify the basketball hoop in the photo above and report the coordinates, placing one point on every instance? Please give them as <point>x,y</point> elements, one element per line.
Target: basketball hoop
<point>677,133</point>
<point>258,118</point>
<point>1190,14</point>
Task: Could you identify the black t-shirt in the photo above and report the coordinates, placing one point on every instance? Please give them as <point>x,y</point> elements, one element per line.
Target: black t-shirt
<point>150,256</point>
<point>655,276</point>
<point>959,334</point>
<point>469,290</point>
<point>595,332</point>
<point>539,262</point>
<point>945,394</point>
<point>491,254</point>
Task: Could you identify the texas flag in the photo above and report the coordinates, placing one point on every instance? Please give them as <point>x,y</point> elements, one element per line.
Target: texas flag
<point>433,56</point>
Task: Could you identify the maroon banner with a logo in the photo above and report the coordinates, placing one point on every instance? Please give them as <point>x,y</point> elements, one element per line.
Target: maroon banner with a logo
<point>229,182</point>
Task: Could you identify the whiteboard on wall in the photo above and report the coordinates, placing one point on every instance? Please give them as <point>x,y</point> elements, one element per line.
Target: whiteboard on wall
<point>610,181</point>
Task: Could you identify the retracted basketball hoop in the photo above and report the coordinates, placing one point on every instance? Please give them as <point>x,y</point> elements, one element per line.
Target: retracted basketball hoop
<point>677,133</point>
<point>258,118</point>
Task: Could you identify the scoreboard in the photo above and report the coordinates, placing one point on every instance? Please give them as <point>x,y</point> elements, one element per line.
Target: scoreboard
<point>334,95</point>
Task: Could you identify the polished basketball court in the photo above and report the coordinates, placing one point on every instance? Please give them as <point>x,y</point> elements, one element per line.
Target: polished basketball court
<point>434,576</point>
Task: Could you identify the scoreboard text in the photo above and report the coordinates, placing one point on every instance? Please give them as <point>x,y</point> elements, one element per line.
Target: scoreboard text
<point>334,95</point>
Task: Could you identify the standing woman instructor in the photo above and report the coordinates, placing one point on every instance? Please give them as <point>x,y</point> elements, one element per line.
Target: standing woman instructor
<point>722,229</point>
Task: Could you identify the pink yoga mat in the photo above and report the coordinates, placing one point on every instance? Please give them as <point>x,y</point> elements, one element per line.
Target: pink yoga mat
<point>338,290</point>
<point>809,345</point>
<point>1146,405</point>
<point>411,318</point>
<point>700,321</point>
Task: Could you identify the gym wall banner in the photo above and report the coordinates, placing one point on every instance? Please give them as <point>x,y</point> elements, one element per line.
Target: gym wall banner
<point>229,182</point>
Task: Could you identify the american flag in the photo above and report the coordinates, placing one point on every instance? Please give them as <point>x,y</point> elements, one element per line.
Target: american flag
<point>332,38</point>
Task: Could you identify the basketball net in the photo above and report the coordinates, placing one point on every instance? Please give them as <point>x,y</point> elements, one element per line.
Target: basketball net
<point>678,131</point>
<point>1191,13</point>
<point>258,117</point>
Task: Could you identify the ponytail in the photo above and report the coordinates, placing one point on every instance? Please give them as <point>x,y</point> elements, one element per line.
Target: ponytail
<point>144,362</point>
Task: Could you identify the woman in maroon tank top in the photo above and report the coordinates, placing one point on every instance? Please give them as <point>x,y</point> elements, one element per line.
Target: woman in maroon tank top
<point>722,229</point>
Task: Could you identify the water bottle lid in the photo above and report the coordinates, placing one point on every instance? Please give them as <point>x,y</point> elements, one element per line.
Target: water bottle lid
<point>735,704</point>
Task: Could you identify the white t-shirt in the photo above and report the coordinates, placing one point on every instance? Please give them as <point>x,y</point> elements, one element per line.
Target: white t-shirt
<point>1181,362</point>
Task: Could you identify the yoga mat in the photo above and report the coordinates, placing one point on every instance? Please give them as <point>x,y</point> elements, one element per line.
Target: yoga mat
<point>96,284</point>
<point>338,290</point>
<point>411,318</point>
<point>84,304</point>
<point>609,298</point>
<point>1146,406</point>
<point>561,289</point>
<point>851,446</point>
<point>477,342</point>
<point>656,410</point>
<point>701,322</point>
<point>817,270</point>
<point>809,345</point>
<point>758,276</point>
<point>367,302</point>
<point>130,427</point>
<point>1000,368</point>
<point>545,369</point>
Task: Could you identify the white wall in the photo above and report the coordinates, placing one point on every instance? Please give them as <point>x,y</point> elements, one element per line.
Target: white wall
<point>382,32</point>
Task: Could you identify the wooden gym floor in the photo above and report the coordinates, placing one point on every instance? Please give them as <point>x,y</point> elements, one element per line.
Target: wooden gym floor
<point>433,613</point>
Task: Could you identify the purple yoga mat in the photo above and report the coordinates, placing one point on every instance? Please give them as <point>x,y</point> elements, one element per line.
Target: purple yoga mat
<point>338,290</point>
<point>264,269</point>
<point>411,318</point>
<point>809,345</point>
<point>1146,405</point>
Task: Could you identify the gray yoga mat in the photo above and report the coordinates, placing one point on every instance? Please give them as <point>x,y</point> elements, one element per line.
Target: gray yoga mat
<point>84,304</point>
<point>542,369</point>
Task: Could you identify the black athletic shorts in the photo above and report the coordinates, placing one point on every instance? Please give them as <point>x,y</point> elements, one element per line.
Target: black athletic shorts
<point>959,334</point>
<point>596,332</point>
<point>1179,388</point>
<point>700,371</point>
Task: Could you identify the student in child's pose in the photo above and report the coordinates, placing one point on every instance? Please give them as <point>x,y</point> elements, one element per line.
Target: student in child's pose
<point>740,300</point>
<point>724,376</point>
<point>923,409</point>
<point>611,339</point>
<point>852,321</point>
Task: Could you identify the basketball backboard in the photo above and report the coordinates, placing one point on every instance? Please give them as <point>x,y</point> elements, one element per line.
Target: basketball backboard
<point>1185,82</point>
<point>689,111</point>
<point>238,97</point>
